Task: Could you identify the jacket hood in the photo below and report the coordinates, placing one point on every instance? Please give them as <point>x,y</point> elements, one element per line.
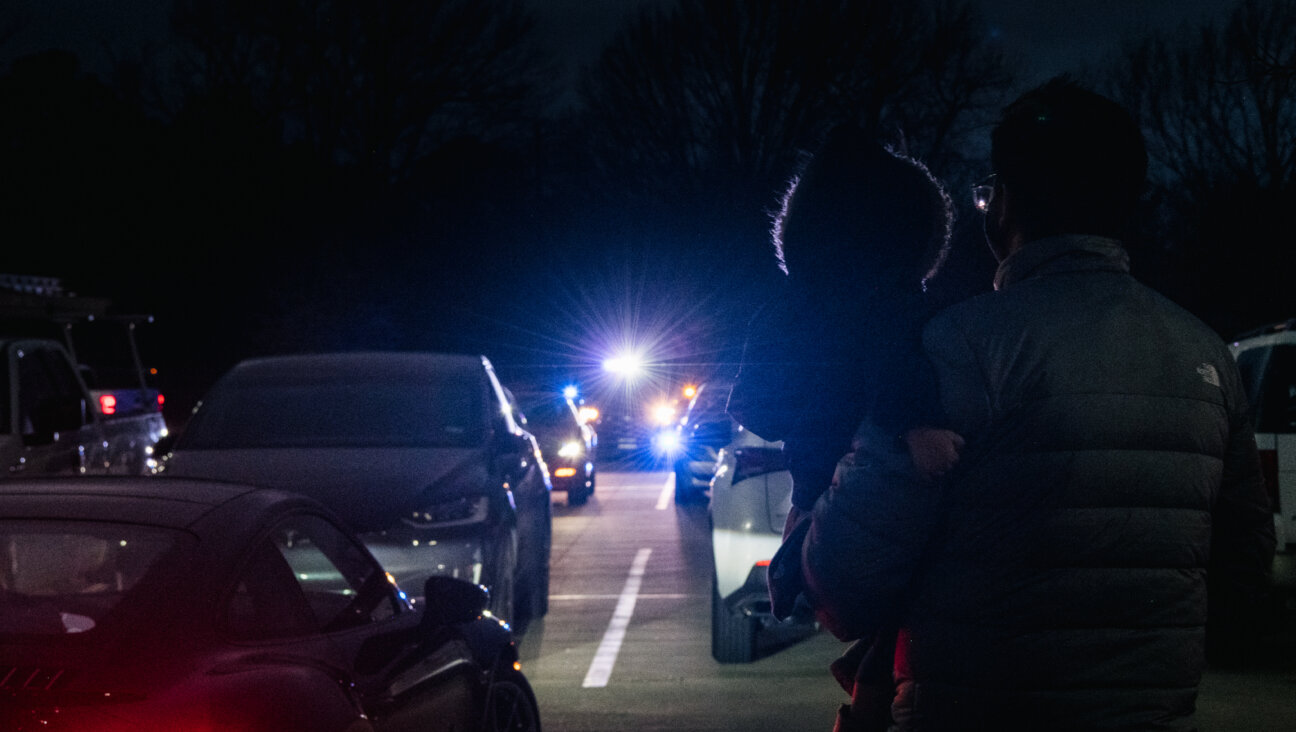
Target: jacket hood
<point>1064,253</point>
<point>370,488</point>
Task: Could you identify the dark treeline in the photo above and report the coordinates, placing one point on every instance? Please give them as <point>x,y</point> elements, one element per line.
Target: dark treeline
<point>307,174</point>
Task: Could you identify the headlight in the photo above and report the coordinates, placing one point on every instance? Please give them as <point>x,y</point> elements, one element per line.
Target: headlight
<point>663,414</point>
<point>667,441</point>
<point>571,449</point>
<point>458,511</point>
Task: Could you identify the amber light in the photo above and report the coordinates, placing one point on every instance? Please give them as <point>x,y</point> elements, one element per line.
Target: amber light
<point>564,472</point>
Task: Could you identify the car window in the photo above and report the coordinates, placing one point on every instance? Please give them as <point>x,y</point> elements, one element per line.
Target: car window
<point>308,577</point>
<point>427,413</point>
<point>65,576</point>
<point>1276,407</point>
<point>42,374</point>
<point>1251,365</point>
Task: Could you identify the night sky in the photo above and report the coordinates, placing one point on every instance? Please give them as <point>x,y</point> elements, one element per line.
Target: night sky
<point>602,278</point>
<point>1052,36</point>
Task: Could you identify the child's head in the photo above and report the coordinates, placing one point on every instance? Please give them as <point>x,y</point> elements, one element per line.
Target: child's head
<point>859,210</point>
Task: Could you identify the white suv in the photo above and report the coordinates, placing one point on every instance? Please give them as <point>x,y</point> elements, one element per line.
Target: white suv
<point>1267,360</point>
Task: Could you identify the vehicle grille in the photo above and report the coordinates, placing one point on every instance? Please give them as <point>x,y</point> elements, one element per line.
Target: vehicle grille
<point>29,678</point>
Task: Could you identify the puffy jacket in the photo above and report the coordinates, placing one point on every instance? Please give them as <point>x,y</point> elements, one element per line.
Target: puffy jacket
<point>1059,580</point>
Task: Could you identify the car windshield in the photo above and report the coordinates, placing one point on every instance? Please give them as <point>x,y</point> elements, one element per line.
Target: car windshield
<point>60,577</point>
<point>550,416</point>
<point>429,413</point>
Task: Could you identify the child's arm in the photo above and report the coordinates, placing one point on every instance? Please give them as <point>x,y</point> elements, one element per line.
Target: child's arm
<point>934,451</point>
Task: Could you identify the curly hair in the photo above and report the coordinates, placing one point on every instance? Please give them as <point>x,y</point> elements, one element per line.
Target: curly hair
<point>863,209</point>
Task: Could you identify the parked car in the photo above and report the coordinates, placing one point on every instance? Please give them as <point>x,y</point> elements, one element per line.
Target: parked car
<point>74,395</point>
<point>566,442</point>
<point>703,431</point>
<point>417,452</point>
<point>751,496</point>
<point>149,604</point>
<point>1267,360</point>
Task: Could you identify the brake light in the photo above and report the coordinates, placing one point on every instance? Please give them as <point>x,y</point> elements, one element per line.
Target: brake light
<point>1269,469</point>
<point>751,462</point>
<point>161,401</point>
<point>108,404</point>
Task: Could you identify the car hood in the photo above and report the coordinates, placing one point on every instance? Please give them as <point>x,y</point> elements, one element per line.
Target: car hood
<point>371,488</point>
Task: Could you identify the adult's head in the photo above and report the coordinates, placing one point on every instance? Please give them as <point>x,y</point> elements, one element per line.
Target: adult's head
<point>1066,161</point>
<point>859,212</point>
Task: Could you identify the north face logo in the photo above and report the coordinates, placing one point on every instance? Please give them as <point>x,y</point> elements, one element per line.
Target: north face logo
<point>1209,374</point>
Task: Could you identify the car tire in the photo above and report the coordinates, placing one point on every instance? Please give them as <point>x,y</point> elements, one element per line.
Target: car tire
<point>510,704</point>
<point>733,635</point>
<point>533,600</point>
<point>578,497</point>
<point>685,493</point>
<point>503,585</point>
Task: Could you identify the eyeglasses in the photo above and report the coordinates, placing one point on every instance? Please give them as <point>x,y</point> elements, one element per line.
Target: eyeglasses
<point>983,193</point>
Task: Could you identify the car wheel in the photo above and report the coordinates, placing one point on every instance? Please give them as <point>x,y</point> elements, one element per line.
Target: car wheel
<point>503,580</point>
<point>577,497</point>
<point>534,595</point>
<point>685,493</point>
<point>511,704</point>
<point>733,635</point>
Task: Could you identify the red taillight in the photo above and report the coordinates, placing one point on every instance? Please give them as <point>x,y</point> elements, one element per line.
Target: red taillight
<point>750,462</point>
<point>161,401</point>
<point>107,404</point>
<point>1269,469</point>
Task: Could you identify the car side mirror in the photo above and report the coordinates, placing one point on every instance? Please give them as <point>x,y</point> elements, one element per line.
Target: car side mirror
<point>448,600</point>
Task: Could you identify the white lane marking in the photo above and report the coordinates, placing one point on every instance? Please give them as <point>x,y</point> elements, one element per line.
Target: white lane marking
<point>663,499</point>
<point>646,596</point>
<point>605,657</point>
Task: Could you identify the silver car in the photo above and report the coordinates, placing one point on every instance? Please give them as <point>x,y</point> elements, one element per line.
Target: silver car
<point>751,495</point>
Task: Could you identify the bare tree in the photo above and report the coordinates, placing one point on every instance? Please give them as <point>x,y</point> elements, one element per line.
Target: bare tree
<point>375,86</point>
<point>717,93</point>
<point>1219,110</point>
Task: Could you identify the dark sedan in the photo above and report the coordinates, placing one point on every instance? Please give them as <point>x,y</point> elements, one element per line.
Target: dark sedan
<point>417,452</point>
<point>155,604</point>
<point>566,442</point>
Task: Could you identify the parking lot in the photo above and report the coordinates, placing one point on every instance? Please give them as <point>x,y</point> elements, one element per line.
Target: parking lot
<point>622,649</point>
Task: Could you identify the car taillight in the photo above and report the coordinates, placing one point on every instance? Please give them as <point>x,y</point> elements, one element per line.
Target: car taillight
<point>107,404</point>
<point>1269,469</point>
<point>750,462</point>
<point>161,402</point>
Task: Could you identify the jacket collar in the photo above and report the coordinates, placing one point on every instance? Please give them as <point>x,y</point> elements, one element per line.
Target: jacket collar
<point>1063,253</point>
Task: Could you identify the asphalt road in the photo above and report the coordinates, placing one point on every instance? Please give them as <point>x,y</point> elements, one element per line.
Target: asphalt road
<point>626,643</point>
